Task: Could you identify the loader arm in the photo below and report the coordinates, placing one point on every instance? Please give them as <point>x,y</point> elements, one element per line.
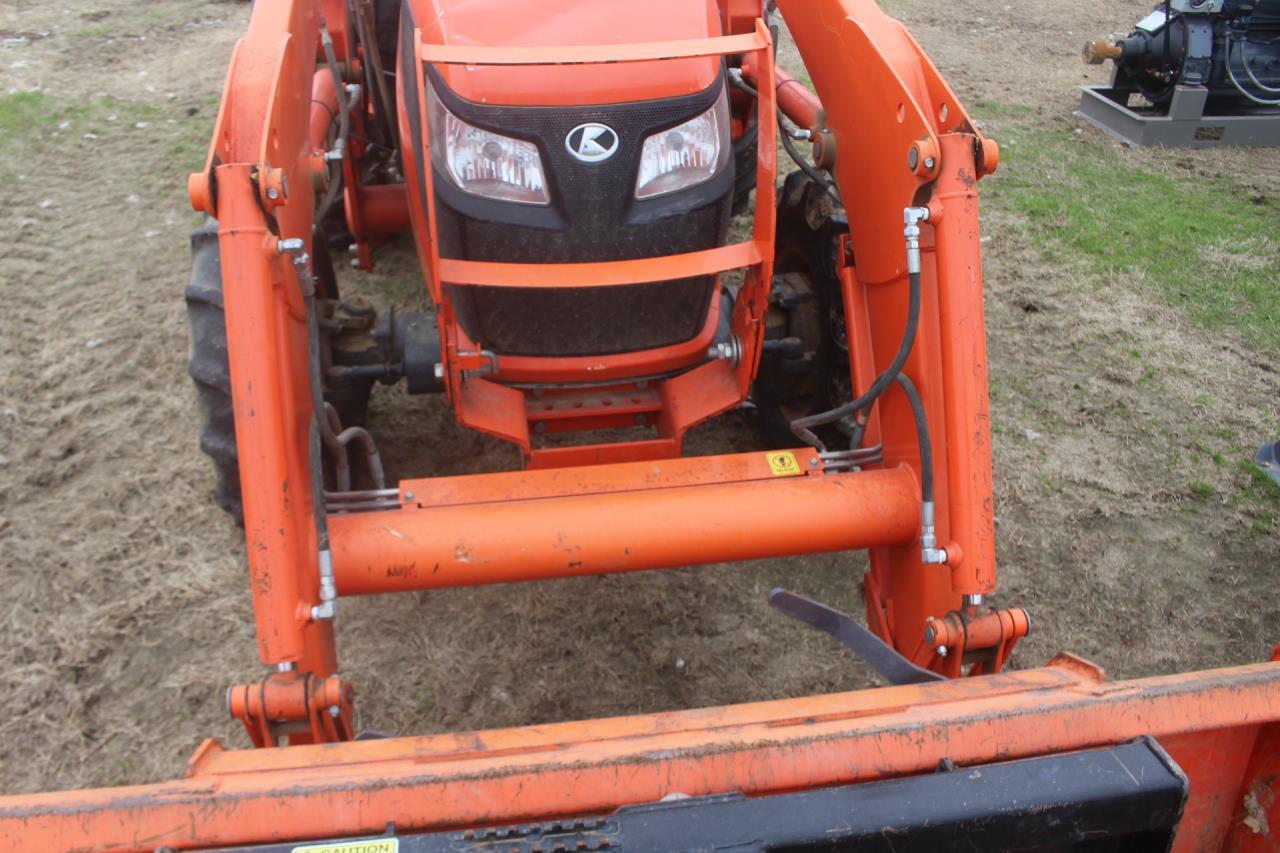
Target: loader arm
<point>902,139</point>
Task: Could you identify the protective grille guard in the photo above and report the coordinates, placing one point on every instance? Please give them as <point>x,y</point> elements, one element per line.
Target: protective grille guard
<point>755,255</point>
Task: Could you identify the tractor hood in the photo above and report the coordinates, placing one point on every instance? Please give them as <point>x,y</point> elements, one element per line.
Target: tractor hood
<point>571,22</point>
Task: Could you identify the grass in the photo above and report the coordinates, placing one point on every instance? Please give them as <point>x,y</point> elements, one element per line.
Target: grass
<point>39,118</point>
<point>1204,245</point>
<point>1208,246</point>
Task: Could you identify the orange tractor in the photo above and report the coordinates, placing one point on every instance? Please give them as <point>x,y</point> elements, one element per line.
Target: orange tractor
<point>569,170</point>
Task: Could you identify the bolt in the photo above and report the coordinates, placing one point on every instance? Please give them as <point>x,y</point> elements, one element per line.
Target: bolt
<point>813,462</point>
<point>290,245</point>
<point>408,496</point>
<point>353,249</point>
<point>942,652</point>
<point>273,193</point>
<point>287,666</point>
<point>334,710</point>
<point>928,162</point>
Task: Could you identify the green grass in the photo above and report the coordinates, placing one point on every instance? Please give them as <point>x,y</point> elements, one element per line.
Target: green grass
<point>36,118</point>
<point>1205,245</point>
<point>1261,495</point>
<point>24,112</point>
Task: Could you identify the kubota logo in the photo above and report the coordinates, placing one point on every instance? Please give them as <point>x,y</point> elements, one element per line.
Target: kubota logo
<point>592,142</point>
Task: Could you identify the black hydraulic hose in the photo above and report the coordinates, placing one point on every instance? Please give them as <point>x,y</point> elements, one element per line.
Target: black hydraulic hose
<point>922,436</point>
<point>802,426</point>
<point>805,166</point>
<point>808,168</point>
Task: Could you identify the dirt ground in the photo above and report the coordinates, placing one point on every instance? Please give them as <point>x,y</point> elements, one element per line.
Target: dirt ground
<point>126,608</point>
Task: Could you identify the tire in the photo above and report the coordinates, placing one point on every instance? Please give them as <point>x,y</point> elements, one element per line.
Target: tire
<point>209,369</point>
<point>805,267</point>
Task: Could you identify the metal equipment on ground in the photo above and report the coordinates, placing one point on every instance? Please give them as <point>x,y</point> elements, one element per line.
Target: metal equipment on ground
<point>1193,73</point>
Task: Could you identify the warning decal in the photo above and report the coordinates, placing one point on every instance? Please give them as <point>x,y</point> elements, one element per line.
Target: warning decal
<point>783,463</point>
<point>369,845</point>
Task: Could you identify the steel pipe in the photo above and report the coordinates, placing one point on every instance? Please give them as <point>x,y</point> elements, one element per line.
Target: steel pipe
<point>521,540</point>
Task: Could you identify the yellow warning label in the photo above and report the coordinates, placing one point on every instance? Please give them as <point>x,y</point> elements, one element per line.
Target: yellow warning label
<point>783,463</point>
<point>368,845</point>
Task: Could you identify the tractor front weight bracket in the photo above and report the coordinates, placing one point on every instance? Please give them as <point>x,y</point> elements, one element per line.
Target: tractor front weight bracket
<point>298,706</point>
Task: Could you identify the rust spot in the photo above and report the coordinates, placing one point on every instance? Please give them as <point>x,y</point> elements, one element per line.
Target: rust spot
<point>403,570</point>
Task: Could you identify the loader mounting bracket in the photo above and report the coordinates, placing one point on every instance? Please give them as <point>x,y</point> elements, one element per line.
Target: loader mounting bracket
<point>293,705</point>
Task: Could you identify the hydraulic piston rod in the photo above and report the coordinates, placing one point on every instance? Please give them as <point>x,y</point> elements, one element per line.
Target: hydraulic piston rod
<point>621,530</point>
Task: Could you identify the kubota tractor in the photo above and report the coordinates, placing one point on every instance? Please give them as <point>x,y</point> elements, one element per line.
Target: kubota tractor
<point>569,170</point>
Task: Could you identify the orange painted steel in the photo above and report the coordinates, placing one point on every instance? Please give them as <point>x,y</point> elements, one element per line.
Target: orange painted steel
<point>962,325</point>
<point>384,208</point>
<point>1210,722</point>
<point>293,706</point>
<point>624,477</point>
<point>794,98</point>
<point>263,140</point>
<point>572,22</point>
<point>635,526</point>
<point>468,54</point>
<point>921,153</point>
<point>602,274</point>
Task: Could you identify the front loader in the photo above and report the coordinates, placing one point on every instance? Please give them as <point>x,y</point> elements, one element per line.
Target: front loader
<point>570,172</point>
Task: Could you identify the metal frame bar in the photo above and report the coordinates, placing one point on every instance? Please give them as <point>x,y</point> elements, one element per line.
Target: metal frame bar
<point>1206,721</point>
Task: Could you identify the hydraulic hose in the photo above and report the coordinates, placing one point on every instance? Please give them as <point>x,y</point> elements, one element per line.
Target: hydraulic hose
<point>802,427</point>
<point>930,553</point>
<point>1235,81</point>
<point>813,172</point>
<point>922,436</point>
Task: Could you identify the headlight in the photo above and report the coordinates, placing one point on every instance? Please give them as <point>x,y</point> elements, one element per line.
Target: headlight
<point>686,155</point>
<point>483,163</point>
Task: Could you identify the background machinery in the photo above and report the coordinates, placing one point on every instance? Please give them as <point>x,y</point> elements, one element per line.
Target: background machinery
<point>568,171</point>
<point>1193,72</point>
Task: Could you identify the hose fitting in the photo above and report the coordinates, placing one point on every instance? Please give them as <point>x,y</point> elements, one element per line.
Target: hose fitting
<point>930,553</point>
<point>912,217</point>
<point>328,606</point>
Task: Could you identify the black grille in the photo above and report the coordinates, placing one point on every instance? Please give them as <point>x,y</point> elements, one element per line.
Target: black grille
<point>593,217</point>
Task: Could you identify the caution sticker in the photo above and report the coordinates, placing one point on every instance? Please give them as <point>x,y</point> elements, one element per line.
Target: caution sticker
<point>783,463</point>
<point>368,845</point>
